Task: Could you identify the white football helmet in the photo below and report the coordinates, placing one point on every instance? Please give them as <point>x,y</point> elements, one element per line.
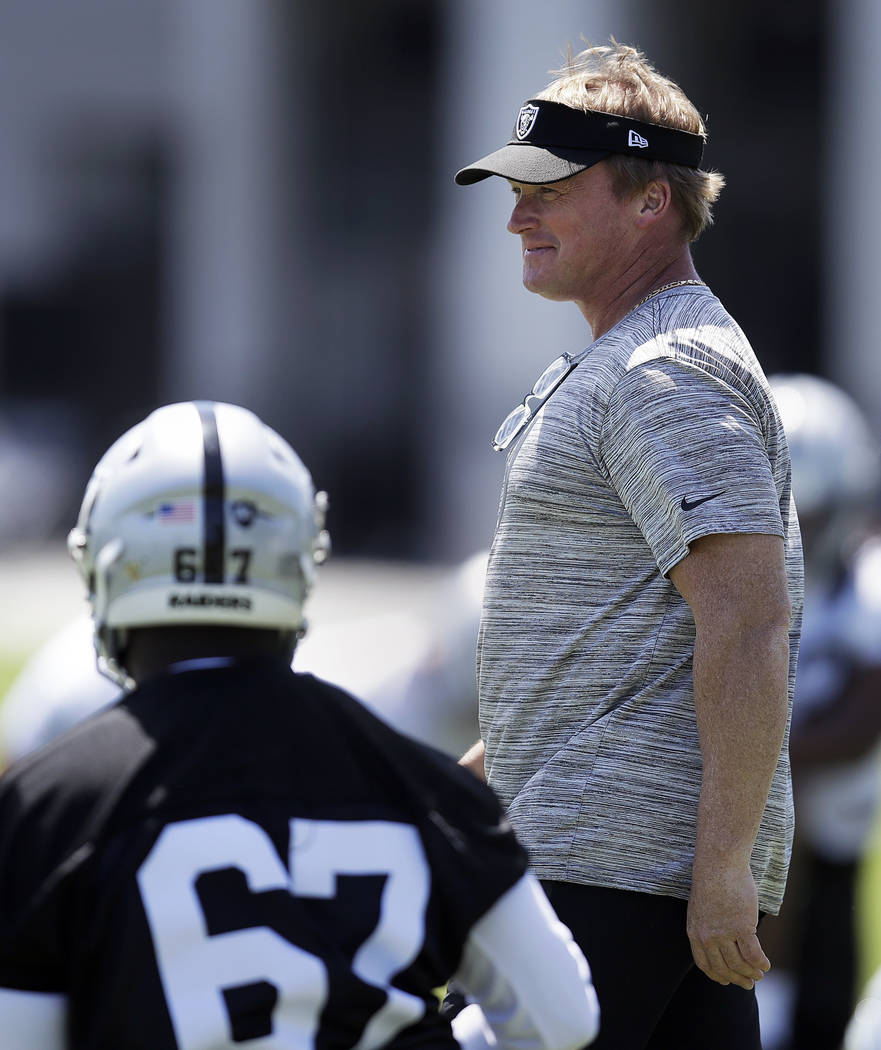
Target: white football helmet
<point>200,514</point>
<point>836,465</point>
<point>835,456</point>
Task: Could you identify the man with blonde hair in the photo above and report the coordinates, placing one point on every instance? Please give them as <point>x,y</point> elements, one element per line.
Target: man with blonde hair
<point>643,594</point>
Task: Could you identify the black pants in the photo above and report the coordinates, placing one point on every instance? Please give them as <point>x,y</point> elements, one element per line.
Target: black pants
<point>651,994</point>
<point>826,954</point>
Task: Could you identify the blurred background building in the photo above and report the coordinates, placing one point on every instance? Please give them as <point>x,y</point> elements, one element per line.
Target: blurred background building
<point>252,200</point>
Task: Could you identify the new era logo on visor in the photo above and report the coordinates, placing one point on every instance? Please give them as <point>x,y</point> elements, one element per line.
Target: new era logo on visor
<point>637,140</point>
<point>526,120</point>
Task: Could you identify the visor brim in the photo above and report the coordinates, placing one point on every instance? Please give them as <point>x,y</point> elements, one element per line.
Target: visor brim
<point>534,165</point>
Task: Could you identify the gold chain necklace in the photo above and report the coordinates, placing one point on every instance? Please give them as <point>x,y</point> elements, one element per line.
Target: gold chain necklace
<point>665,288</point>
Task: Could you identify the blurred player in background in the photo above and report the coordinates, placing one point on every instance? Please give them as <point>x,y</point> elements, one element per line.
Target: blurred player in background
<point>234,854</point>
<point>434,698</point>
<point>864,1028</point>
<point>836,720</point>
<point>57,687</point>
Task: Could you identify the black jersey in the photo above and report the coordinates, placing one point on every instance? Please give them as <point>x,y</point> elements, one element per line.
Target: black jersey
<point>240,855</point>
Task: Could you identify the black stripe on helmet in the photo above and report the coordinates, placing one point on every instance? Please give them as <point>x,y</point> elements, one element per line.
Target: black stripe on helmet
<point>214,496</point>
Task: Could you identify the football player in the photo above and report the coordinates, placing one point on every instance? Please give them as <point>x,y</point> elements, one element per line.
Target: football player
<point>57,687</point>
<point>434,696</point>
<point>236,854</point>
<point>836,720</point>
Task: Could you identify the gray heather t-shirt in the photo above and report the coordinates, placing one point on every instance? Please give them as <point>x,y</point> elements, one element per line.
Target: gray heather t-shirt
<point>666,431</point>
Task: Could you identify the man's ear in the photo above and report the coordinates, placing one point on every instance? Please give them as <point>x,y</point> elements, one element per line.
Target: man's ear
<point>654,202</point>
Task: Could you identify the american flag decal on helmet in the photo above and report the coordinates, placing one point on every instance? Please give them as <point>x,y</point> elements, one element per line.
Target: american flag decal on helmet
<point>179,512</point>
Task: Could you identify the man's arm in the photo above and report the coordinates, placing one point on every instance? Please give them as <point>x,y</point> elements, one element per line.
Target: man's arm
<point>736,587</point>
<point>473,759</point>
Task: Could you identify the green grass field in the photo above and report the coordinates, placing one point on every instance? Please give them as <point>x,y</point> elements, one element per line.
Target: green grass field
<point>9,668</point>
<point>869,910</point>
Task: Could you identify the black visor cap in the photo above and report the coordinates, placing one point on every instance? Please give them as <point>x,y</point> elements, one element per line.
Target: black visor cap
<point>552,141</point>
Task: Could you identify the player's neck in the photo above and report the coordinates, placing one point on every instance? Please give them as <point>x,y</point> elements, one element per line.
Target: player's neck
<point>152,651</point>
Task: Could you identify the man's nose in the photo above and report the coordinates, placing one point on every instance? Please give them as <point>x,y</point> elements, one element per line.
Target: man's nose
<point>522,216</point>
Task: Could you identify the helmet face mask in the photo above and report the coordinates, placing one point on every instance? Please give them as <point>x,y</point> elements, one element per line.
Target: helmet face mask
<point>200,514</point>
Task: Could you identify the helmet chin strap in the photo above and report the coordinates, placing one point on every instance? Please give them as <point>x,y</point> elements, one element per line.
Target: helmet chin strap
<point>110,644</point>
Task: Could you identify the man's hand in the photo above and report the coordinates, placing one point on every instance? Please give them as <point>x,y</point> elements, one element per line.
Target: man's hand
<point>473,759</point>
<point>723,916</point>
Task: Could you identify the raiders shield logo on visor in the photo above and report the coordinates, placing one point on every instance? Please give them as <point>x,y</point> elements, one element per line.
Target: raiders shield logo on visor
<point>525,120</point>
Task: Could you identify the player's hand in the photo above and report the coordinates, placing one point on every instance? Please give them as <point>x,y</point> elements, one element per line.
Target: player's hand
<point>723,915</point>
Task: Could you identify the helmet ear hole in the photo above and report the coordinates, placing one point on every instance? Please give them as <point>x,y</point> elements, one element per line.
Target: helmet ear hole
<point>200,514</point>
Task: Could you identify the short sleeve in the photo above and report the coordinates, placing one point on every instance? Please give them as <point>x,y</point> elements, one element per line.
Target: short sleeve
<point>686,453</point>
<point>474,854</point>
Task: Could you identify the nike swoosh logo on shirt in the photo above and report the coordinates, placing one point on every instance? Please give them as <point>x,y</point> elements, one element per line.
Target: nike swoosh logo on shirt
<point>690,504</point>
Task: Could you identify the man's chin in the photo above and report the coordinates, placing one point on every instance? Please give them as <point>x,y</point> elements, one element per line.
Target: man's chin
<point>545,289</point>
<point>534,282</point>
